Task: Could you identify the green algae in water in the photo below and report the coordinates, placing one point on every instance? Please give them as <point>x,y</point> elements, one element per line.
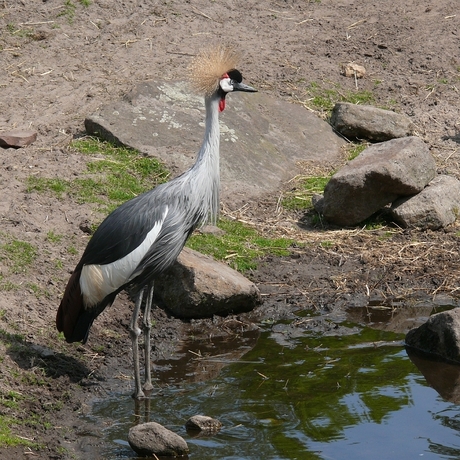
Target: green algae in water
<point>356,396</point>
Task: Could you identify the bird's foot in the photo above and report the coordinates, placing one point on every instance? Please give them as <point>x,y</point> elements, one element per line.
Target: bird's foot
<point>147,386</point>
<point>139,395</point>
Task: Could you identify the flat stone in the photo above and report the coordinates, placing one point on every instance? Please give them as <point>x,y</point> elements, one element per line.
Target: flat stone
<point>262,138</point>
<point>17,138</point>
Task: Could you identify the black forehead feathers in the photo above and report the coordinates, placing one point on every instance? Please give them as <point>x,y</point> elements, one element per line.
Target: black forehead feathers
<point>235,75</point>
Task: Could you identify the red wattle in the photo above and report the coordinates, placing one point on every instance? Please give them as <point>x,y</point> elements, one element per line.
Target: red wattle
<point>221,105</point>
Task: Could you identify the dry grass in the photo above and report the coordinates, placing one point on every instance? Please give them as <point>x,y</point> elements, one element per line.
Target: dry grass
<point>417,261</point>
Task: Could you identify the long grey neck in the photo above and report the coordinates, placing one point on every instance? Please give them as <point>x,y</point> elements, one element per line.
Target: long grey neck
<point>205,172</point>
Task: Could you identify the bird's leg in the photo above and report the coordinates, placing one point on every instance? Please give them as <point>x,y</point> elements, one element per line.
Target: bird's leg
<point>147,326</point>
<point>135,332</point>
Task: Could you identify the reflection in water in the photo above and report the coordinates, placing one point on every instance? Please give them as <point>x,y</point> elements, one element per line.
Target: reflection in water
<point>202,360</point>
<point>442,376</point>
<point>323,398</point>
<point>399,314</point>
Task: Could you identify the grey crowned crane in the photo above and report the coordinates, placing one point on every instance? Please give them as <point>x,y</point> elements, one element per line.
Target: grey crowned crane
<point>144,236</point>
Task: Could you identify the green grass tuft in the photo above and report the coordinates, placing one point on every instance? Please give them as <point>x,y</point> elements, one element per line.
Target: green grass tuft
<point>41,184</point>
<point>323,98</point>
<point>53,237</point>
<point>240,246</point>
<point>7,438</point>
<point>6,285</point>
<point>19,255</point>
<point>300,198</point>
<point>355,149</point>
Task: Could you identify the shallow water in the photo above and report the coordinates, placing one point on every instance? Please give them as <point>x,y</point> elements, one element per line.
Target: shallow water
<point>356,396</point>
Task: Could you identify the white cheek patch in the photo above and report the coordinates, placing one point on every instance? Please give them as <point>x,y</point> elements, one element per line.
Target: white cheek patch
<point>226,85</point>
<point>98,281</point>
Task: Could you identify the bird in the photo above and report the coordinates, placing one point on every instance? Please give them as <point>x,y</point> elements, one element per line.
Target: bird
<point>143,237</point>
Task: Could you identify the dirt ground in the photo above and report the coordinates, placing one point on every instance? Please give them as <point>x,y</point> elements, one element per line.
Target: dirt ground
<point>60,60</point>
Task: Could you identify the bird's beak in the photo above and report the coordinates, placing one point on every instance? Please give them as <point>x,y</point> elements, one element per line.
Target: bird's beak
<point>242,87</point>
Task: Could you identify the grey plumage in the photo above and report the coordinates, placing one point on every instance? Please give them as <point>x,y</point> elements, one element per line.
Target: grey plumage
<point>144,236</point>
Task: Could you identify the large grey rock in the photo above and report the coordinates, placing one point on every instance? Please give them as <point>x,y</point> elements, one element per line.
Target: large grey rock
<point>436,206</point>
<point>378,176</point>
<point>262,138</point>
<point>370,123</point>
<point>440,335</point>
<point>197,286</point>
<point>149,439</point>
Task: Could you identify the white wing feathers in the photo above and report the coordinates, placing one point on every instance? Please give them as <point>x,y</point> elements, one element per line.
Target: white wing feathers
<point>98,281</point>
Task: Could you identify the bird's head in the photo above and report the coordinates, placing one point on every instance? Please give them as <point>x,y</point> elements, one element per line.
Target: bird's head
<point>213,72</point>
<point>232,81</point>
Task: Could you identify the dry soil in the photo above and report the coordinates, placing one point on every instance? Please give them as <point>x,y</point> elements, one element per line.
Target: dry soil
<point>60,60</point>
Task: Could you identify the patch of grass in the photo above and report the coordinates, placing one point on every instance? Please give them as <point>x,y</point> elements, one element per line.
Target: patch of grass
<point>38,290</point>
<point>240,246</point>
<point>323,98</point>
<point>13,401</point>
<point>7,438</point>
<point>100,349</point>
<point>58,264</point>
<point>18,32</point>
<point>35,420</point>
<point>360,97</point>
<point>68,10</point>
<point>385,236</point>
<point>41,184</point>
<point>117,174</point>
<point>19,255</point>
<point>62,451</point>
<point>355,149</point>
<point>33,378</point>
<point>114,175</point>
<point>10,399</point>
<point>6,285</point>
<point>391,104</point>
<point>374,222</point>
<point>306,187</point>
<point>53,237</point>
